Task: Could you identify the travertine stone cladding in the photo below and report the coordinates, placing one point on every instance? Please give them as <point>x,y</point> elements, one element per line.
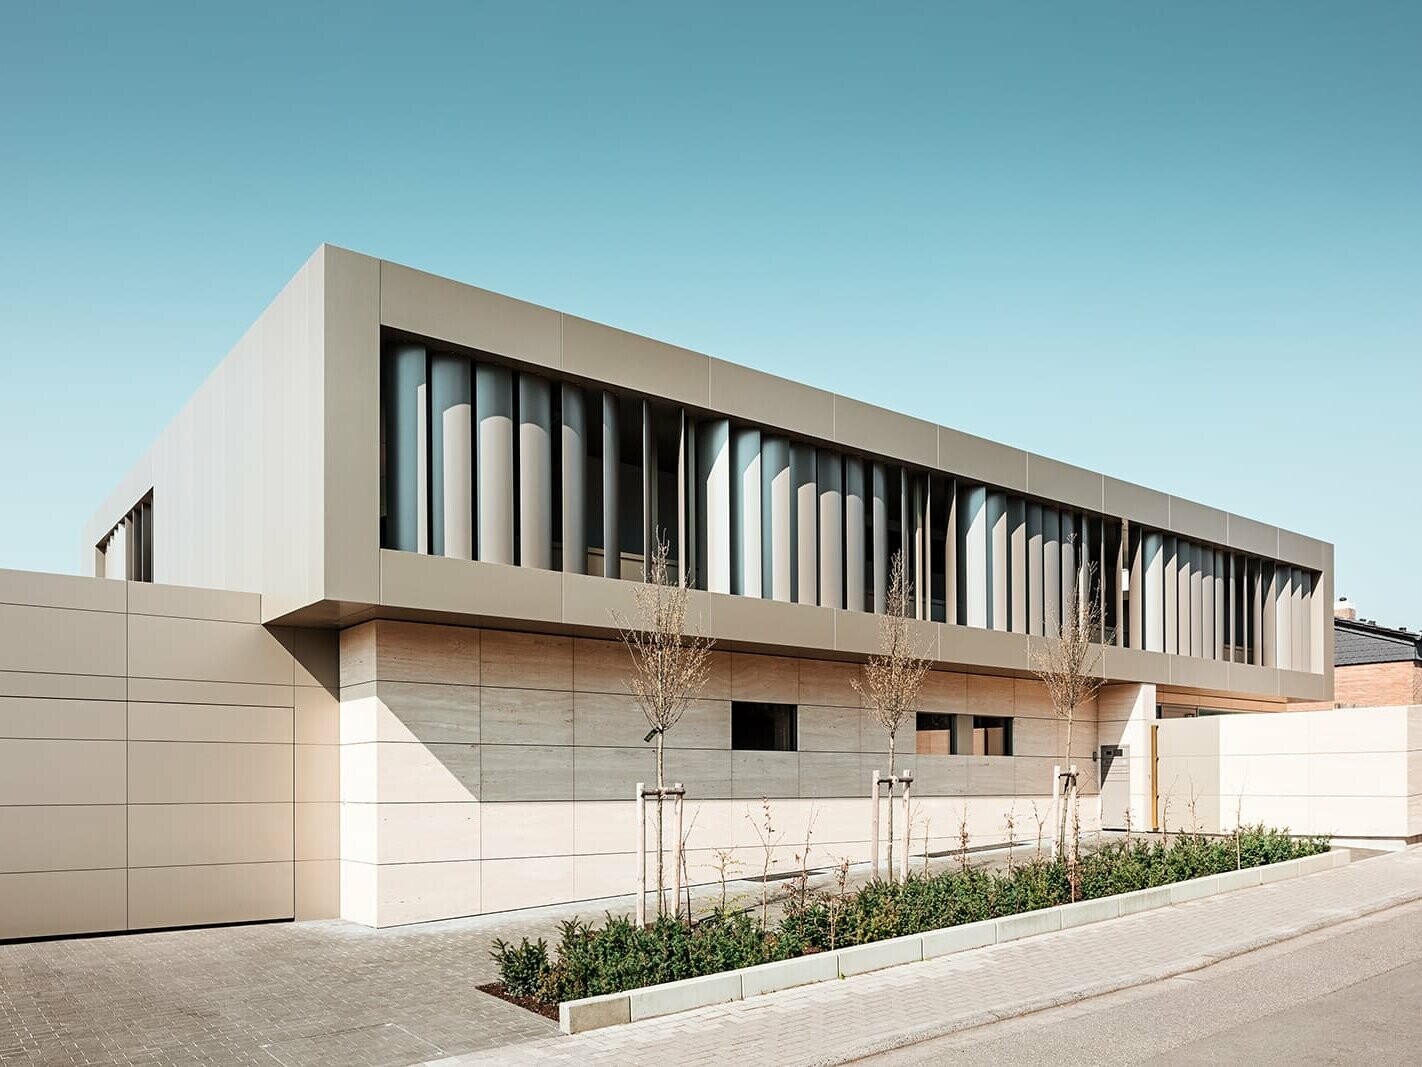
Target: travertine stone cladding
<point>487,769</point>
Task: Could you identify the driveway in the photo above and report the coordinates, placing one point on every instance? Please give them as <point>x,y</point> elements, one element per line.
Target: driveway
<point>289,993</point>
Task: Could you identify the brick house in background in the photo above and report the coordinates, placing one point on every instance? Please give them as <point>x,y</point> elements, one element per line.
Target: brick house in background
<point>1373,666</point>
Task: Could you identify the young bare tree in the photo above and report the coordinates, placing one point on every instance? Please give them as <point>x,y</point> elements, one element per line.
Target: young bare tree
<point>892,678</point>
<point>669,666</point>
<point>770,839</point>
<point>1065,662</point>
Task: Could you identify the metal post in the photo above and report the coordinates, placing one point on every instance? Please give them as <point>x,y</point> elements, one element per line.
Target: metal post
<point>1056,801</point>
<point>908,833</point>
<point>641,856</point>
<point>874,828</point>
<point>676,855</point>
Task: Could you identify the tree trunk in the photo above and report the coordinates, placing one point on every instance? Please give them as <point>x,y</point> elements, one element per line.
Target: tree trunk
<point>891,808</point>
<point>661,786</point>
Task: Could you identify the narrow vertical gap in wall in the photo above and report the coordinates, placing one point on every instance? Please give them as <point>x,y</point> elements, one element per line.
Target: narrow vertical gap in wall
<point>555,476</point>
<point>516,478</point>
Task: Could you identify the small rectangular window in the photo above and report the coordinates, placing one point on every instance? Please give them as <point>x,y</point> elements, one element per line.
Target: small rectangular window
<point>934,733</point>
<point>992,736</point>
<point>761,727</point>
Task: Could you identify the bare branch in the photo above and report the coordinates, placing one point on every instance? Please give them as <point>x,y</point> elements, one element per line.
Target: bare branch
<point>669,667</point>
<point>1065,661</point>
<point>892,678</point>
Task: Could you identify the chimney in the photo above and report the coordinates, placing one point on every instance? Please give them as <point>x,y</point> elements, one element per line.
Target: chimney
<point>1344,610</point>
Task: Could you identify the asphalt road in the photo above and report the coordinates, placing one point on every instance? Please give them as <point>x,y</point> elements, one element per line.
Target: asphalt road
<point>1349,994</point>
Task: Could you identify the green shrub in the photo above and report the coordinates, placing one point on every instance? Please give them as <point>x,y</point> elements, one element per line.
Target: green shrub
<point>523,968</point>
<point>589,960</point>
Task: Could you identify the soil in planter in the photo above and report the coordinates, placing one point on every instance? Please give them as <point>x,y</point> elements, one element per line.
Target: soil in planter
<point>548,1011</point>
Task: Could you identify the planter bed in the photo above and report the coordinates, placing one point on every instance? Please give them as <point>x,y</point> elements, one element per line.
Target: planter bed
<point>591,1013</point>
<point>725,957</point>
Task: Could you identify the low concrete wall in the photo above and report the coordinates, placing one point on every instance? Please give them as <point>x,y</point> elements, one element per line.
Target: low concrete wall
<point>1353,773</point>
<point>613,1009</point>
<point>165,760</point>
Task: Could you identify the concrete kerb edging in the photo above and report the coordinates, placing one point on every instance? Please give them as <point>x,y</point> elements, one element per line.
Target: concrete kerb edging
<point>613,1009</point>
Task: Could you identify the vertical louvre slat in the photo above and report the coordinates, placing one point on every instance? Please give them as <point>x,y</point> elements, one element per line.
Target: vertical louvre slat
<point>714,502</point>
<point>493,395</point>
<point>535,472</point>
<point>404,377</point>
<point>1051,571</point>
<point>880,517</point>
<point>1034,569</point>
<point>854,533</point>
<point>802,478</point>
<point>1017,564</point>
<point>951,590</point>
<point>574,488</point>
<point>997,559</point>
<point>651,536</point>
<point>831,518</point>
<point>611,486</point>
<point>1155,584</point>
<point>780,559</point>
<point>976,556</point>
<point>746,492</point>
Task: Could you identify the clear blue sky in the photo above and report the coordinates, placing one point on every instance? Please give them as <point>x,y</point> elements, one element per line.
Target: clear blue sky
<point>1197,227</point>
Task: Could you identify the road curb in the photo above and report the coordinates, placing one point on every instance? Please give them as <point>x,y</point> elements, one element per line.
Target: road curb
<point>1044,1003</point>
<point>593,1013</point>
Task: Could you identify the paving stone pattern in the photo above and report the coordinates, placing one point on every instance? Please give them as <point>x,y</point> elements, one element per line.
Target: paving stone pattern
<point>308,993</point>
<point>283,993</point>
<point>836,1022</point>
<point>311,993</point>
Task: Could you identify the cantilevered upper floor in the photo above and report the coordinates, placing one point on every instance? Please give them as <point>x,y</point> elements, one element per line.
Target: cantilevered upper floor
<point>388,443</point>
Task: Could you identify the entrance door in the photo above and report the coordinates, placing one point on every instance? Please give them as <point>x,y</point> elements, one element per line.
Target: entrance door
<point>1115,786</point>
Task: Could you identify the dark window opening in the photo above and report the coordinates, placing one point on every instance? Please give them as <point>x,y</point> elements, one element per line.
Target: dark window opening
<point>761,727</point>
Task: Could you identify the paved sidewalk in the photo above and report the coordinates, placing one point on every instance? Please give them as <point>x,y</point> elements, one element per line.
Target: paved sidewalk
<point>841,1021</point>
<point>288,993</point>
<point>1344,994</point>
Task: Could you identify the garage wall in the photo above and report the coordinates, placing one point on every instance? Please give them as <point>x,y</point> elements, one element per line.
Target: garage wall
<point>165,760</point>
<point>1353,773</point>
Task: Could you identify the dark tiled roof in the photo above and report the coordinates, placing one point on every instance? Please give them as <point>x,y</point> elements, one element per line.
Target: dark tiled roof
<point>1363,642</point>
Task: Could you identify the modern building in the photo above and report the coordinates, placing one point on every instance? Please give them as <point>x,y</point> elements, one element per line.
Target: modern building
<point>368,655</point>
